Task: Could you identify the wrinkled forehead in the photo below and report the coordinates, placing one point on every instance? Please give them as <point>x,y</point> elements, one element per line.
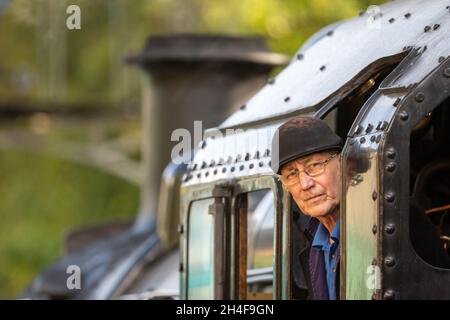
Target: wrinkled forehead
<point>318,156</point>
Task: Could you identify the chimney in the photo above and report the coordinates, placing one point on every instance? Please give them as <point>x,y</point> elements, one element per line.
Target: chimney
<point>193,78</point>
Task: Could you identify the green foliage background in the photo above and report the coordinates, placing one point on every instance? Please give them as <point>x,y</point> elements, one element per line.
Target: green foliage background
<point>44,64</point>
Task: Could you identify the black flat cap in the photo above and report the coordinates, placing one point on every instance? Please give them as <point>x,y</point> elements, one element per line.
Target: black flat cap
<point>299,137</point>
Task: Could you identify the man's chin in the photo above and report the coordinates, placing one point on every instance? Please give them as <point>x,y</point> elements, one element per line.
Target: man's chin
<point>316,215</point>
<point>317,212</point>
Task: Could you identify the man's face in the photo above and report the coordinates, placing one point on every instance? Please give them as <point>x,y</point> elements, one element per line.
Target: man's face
<point>319,195</point>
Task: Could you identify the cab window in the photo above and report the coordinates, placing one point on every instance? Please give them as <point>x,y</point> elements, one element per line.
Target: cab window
<point>201,251</point>
<point>430,187</point>
<point>256,244</point>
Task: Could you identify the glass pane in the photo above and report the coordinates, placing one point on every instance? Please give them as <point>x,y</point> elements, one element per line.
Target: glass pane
<point>261,216</point>
<point>200,251</point>
<point>260,254</point>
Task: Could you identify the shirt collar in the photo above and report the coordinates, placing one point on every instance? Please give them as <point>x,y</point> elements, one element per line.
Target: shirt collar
<point>322,235</point>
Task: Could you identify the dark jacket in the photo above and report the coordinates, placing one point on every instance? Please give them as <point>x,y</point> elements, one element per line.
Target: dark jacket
<point>313,265</point>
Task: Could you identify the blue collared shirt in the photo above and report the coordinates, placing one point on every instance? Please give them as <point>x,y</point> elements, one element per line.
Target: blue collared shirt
<point>330,252</point>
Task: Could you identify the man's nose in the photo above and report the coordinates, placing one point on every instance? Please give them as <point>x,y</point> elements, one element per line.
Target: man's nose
<point>306,181</point>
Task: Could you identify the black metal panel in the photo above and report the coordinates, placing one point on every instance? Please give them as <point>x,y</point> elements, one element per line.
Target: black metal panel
<point>404,274</point>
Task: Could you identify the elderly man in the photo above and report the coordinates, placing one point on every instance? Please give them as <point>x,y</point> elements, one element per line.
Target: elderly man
<point>309,168</point>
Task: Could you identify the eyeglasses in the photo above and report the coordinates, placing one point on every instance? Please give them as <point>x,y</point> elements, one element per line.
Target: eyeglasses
<point>313,169</point>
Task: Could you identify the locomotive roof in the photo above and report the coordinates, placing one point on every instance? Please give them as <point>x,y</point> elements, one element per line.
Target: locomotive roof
<point>323,66</point>
<point>324,69</point>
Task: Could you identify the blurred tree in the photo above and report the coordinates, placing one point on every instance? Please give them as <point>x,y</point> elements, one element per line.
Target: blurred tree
<point>42,62</point>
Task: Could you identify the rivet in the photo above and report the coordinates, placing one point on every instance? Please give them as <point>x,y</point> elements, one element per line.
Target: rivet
<point>224,170</point>
<point>271,81</point>
<point>391,20</point>
<point>389,295</point>
<point>267,153</point>
<point>390,153</point>
<point>287,99</point>
<point>212,163</point>
<point>261,163</point>
<point>300,56</point>
<point>199,175</point>
<point>243,107</point>
<point>358,129</point>
<point>181,267</point>
<point>207,173</point>
<point>247,156</point>
<point>390,167</point>
<point>203,165</point>
<point>256,156</point>
<point>194,167</point>
<point>379,125</point>
<point>369,128</point>
<point>407,15</point>
<point>215,171</point>
<point>389,197</point>
<point>378,138</point>
<point>389,261</point>
<point>384,125</point>
<point>241,167</point>
<point>203,144</point>
<point>441,59</point>
<point>404,115</point>
<point>251,165</point>
<point>322,68</point>
<point>389,228</point>
<point>238,158</point>
<point>362,140</point>
<point>427,28</point>
<point>330,33</point>
<point>180,228</point>
<point>397,102</point>
<point>269,163</point>
<point>374,195</point>
<point>436,26</point>
<point>232,169</point>
<point>447,72</point>
<point>351,142</point>
<point>373,138</point>
<point>374,229</point>
<point>420,96</point>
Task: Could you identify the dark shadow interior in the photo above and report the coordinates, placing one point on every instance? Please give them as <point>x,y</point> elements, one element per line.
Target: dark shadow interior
<point>430,187</point>
<point>345,111</point>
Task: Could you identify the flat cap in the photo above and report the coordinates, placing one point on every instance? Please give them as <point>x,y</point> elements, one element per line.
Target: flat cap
<point>299,137</point>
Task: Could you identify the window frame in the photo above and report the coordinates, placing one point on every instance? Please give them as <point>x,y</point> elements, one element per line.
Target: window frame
<point>231,272</point>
